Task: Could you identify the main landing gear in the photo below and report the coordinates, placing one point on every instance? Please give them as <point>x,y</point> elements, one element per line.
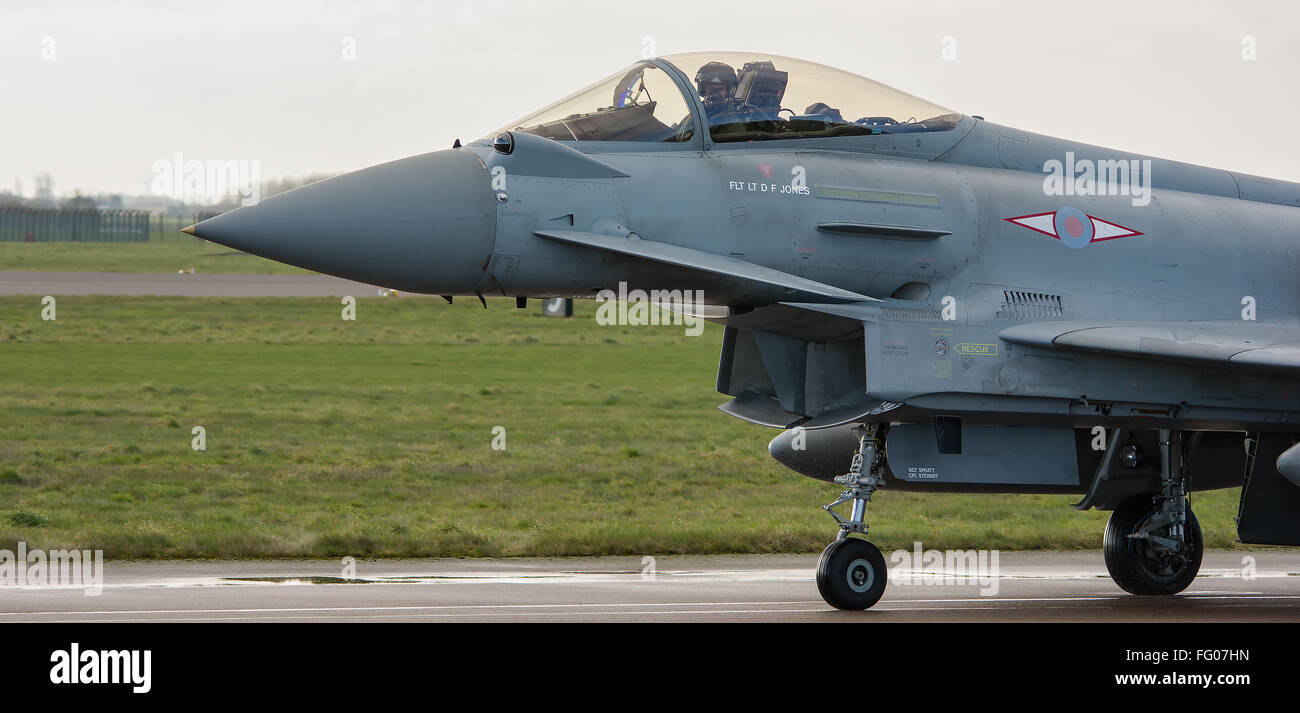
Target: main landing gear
<point>1152,544</point>
<point>1153,541</point>
<point>851,573</point>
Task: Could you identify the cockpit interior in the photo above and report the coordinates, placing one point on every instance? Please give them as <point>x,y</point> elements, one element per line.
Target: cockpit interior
<point>739,97</point>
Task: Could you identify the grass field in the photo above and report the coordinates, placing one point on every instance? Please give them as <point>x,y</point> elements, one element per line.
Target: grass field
<point>169,254</point>
<point>372,438</point>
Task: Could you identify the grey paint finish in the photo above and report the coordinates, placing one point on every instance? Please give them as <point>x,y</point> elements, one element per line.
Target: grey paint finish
<point>768,285</point>
<point>816,336</point>
<point>991,454</point>
<point>423,224</point>
<point>1288,464</point>
<point>1215,344</point>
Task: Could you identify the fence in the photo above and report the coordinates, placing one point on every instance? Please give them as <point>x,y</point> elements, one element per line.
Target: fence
<point>37,225</point>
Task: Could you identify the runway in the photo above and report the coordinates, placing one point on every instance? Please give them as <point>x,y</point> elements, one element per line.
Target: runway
<point>16,282</point>
<point>1028,587</point>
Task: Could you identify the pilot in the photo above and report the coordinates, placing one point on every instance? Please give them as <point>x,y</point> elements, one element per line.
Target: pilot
<point>716,82</point>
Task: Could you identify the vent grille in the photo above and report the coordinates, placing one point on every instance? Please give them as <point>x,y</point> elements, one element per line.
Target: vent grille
<point>1030,305</point>
<point>904,314</point>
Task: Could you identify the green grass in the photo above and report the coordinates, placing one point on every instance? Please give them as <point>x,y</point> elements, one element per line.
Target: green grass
<point>372,438</point>
<point>169,254</point>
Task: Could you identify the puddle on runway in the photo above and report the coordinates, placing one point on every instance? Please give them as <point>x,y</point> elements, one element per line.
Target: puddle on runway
<point>432,578</point>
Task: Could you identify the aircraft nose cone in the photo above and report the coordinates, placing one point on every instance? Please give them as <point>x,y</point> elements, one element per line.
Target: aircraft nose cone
<point>420,224</point>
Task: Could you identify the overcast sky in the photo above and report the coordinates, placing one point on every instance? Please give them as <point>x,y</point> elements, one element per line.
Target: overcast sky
<point>95,91</point>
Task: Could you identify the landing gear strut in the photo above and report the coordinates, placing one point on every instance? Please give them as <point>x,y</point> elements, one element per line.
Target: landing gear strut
<point>851,573</point>
<point>1153,542</point>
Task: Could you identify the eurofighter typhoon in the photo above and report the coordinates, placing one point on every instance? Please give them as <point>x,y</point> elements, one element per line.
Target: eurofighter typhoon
<point>920,299</point>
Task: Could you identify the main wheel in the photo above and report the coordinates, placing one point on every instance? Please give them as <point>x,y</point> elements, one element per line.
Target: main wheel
<point>851,574</point>
<point>1138,566</point>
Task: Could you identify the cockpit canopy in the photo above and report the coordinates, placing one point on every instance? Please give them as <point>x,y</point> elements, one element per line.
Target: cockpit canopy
<point>743,96</point>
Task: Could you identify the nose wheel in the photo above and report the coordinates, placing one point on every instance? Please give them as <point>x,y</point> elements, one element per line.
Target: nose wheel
<point>1147,554</point>
<point>1153,543</point>
<point>851,574</point>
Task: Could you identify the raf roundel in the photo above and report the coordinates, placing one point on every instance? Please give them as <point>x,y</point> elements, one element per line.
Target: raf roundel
<point>1073,227</point>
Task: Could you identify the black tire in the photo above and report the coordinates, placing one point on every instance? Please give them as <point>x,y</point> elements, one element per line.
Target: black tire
<point>851,574</point>
<point>1135,566</point>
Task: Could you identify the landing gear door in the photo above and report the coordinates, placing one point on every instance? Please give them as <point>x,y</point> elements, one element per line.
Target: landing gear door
<point>1270,504</point>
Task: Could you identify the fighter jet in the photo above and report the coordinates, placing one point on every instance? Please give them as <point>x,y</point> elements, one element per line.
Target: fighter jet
<point>922,300</point>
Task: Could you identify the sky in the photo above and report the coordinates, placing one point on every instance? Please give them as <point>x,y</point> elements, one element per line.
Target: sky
<point>94,92</point>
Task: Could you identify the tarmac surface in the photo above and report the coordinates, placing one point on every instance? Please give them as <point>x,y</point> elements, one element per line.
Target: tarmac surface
<point>15,282</point>
<point>1028,587</point>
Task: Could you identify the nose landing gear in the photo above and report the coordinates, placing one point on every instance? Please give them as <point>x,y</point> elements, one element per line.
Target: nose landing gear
<point>1153,542</point>
<point>851,573</point>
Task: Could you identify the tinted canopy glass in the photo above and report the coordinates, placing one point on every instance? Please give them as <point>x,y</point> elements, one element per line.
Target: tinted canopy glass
<point>750,97</point>
<point>641,103</point>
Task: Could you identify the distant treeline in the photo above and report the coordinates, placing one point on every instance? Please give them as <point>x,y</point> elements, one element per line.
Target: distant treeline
<point>159,204</point>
